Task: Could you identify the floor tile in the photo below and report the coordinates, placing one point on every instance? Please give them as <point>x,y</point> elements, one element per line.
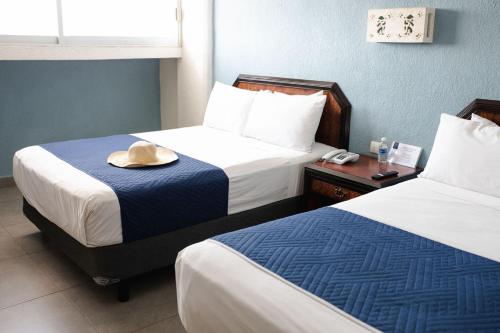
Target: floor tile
<point>10,193</point>
<point>171,325</point>
<point>21,280</point>
<point>43,291</point>
<point>152,299</point>
<point>52,313</point>
<point>28,237</point>
<point>62,271</point>
<point>8,246</point>
<point>11,212</point>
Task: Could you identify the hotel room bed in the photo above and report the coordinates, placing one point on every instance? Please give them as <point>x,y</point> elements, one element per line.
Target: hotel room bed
<point>69,196</point>
<point>420,256</point>
<point>89,211</point>
<point>221,290</point>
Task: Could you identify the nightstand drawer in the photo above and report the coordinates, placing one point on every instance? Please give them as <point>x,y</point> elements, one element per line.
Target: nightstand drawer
<point>337,193</point>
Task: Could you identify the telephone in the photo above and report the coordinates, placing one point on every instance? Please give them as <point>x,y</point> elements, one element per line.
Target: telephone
<point>340,156</point>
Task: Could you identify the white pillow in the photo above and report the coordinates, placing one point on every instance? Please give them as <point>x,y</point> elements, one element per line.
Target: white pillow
<point>228,108</point>
<point>465,154</point>
<point>290,121</point>
<point>481,120</point>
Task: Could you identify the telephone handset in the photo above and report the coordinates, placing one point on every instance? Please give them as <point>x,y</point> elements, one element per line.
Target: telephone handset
<point>340,156</point>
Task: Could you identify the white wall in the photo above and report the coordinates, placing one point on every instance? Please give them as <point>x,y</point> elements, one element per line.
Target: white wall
<point>194,71</point>
<point>168,93</point>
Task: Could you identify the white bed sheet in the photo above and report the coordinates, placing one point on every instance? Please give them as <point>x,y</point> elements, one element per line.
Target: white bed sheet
<point>220,290</point>
<point>88,209</point>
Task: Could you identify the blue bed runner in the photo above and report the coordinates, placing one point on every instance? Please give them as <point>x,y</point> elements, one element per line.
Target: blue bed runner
<point>152,200</point>
<point>390,279</point>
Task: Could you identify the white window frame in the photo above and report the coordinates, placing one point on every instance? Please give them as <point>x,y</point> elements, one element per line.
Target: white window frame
<point>81,48</point>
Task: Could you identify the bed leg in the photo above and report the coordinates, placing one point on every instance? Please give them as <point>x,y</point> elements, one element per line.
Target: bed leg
<point>123,291</point>
<point>45,238</point>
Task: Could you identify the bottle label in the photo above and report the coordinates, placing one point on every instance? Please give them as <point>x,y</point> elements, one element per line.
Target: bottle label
<point>382,154</point>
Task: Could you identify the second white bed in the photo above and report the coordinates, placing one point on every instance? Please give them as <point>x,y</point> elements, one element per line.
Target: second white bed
<point>220,290</point>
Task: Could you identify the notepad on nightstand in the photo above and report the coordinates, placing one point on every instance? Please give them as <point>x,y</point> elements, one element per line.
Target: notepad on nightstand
<point>404,154</point>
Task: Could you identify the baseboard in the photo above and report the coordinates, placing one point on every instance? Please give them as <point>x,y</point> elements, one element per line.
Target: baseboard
<point>7,181</point>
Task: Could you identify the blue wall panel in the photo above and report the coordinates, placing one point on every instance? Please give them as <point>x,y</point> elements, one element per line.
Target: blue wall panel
<point>43,101</point>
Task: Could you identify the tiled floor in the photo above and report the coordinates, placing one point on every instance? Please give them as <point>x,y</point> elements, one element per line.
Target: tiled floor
<point>42,291</point>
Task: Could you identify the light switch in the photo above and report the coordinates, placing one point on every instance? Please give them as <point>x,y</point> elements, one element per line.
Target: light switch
<point>374,147</point>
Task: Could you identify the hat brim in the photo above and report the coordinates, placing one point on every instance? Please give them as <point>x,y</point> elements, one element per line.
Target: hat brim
<point>163,155</point>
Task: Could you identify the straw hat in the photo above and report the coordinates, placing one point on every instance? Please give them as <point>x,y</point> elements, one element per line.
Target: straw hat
<point>141,154</point>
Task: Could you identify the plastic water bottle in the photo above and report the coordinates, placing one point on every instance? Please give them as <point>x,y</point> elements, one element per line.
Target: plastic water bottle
<point>383,150</point>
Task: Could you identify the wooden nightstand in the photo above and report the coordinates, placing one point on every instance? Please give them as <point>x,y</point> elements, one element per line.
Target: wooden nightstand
<point>328,183</point>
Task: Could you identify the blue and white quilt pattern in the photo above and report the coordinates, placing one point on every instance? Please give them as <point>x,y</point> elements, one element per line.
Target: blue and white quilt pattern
<point>391,279</point>
<point>152,200</point>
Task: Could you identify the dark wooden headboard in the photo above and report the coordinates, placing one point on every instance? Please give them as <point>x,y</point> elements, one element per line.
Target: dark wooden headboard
<point>486,108</point>
<point>334,126</point>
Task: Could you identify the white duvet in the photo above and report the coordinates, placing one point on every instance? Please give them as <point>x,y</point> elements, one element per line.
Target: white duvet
<point>88,209</point>
<point>220,290</point>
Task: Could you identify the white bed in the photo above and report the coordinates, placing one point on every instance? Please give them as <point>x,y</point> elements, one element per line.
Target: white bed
<point>248,298</point>
<point>89,211</point>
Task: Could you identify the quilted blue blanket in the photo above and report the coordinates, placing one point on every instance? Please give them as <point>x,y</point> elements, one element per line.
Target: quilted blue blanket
<point>152,200</point>
<point>390,279</point>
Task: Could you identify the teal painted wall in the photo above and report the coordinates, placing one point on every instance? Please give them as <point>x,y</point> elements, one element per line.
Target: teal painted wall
<point>43,101</point>
<point>396,90</point>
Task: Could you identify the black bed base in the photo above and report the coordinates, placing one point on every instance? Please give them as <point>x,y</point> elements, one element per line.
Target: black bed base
<point>123,261</point>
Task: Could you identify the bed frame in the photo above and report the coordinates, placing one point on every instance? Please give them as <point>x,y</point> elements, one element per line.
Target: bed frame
<point>123,261</point>
<point>486,108</point>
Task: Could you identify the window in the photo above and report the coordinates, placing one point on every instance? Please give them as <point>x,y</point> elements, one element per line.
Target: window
<point>40,20</point>
<point>90,22</point>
